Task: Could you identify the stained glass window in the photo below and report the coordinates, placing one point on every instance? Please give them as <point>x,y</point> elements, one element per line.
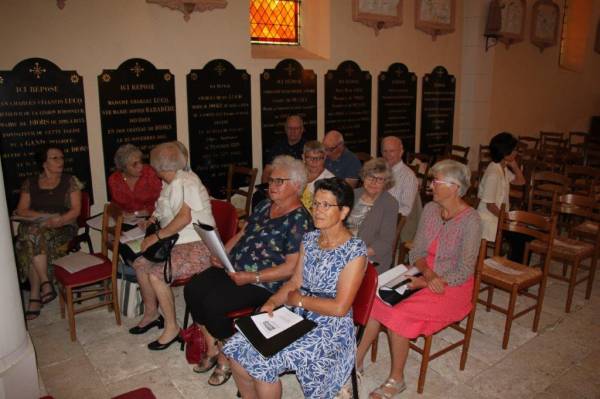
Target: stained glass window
<point>274,21</point>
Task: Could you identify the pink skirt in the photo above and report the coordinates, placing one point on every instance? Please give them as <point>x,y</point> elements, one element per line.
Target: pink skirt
<point>186,260</point>
<point>425,312</point>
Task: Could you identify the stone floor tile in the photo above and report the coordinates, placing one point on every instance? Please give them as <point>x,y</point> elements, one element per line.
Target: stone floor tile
<point>156,380</point>
<point>53,344</point>
<point>74,378</point>
<point>577,382</point>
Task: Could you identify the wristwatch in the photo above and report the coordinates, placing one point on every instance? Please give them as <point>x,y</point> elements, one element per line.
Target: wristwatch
<point>257,276</point>
<point>300,302</point>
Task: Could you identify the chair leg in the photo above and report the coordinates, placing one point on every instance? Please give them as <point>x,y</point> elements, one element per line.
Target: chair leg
<point>71,313</point>
<point>467,340</point>
<point>186,318</point>
<point>490,297</point>
<point>424,363</point>
<point>115,301</point>
<point>572,282</point>
<point>354,383</point>
<point>509,316</point>
<point>538,308</point>
<point>108,303</point>
<point>374,349</point>
<point>591,276</point>
<point>61,301</point>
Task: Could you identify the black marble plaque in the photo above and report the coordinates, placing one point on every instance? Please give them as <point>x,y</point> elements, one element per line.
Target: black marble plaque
<point>289,89</point>
<point>220,122</point>
<point>397,105</point>
<point>437,111</point>
<point>137,106</point>
<point>348,105</point>
<point>41,104</point>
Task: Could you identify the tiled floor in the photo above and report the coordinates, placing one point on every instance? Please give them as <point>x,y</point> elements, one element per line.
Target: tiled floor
<point>561,361</point>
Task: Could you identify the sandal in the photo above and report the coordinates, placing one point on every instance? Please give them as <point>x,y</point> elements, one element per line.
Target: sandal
<point>389,389</point>
<point>207,363</point>
<point>48,296</point>
<point>347,391</point>
<point>220,376</point>
<point>33,314</point>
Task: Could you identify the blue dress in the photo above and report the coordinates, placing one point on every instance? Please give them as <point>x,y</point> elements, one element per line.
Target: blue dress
<point>324,357</point>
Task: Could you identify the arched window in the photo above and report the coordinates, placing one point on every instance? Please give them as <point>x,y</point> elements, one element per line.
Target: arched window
<point>274,21</point>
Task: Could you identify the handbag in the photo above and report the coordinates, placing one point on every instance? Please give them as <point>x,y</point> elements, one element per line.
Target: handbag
<point>160,251</point>
<point>195,344</point>
<point>130,298</point>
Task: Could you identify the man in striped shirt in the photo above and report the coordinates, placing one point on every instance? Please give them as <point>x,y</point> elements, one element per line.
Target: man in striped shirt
<point>405,182</point>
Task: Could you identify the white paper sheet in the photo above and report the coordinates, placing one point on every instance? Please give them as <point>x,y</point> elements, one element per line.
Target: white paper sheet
<point>33,219</point>
<point>282,319</point>
<point>77,261</point>
<point>213,242</point>
<point>131,235</point>
<point>394,276</point>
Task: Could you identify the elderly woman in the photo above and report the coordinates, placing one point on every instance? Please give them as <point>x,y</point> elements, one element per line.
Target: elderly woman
<point>134,187</point>
<point>445,251</point>
<point>494,190</point>
<point>38,243</point>
<point>314,160</point>
<point>375,212</point>
<point>183,200</point>
<point>263,254</point>
<point>325,281</point>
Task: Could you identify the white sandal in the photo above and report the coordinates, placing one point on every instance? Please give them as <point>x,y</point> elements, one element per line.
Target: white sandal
<point>393,388</point>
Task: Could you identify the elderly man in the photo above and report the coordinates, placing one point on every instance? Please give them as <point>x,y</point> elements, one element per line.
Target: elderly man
<point>341,161</point>
<point>292,144</point>
<point>314,160</point>
<point>405,186</point>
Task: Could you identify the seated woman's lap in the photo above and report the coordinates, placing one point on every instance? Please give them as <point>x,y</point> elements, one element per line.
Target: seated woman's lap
<point>186,260</point>
<point>212,294</point>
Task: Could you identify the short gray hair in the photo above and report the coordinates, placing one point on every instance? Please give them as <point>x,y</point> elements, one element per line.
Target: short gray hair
<point>167,157</point>
<point>122,155</point>
<point>294,167</point>
<point>455,172</point>
<point>314,146</point>
<point>185,153</point>
<point>378,165</point>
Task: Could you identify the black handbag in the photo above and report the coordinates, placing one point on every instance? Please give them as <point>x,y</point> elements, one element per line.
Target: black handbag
<point>160,251</point>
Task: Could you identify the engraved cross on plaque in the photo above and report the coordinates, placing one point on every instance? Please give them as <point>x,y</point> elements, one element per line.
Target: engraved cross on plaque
<point>137,69</point>
<point>349,70</point>
<point>290,69</point>
<point>219,69</point>
<point>37,70</point>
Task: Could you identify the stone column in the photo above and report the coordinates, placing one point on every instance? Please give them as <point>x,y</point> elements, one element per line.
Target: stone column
<point>18,369</point>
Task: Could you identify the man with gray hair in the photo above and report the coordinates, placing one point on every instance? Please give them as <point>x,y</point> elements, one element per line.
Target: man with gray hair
<point>342,162</point>
<point>292,144</point>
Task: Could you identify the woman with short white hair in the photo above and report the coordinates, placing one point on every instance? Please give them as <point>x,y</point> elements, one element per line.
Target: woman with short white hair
<point>183,200</point>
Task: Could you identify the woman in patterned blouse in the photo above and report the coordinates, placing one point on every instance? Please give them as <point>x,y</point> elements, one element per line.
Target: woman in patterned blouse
<point>263,254</point>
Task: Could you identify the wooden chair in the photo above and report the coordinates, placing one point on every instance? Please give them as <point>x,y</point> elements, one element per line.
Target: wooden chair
<point>577,142</point>
<point>542,188</point>
<point>422,173</point>
<point>84,215</point>
<point>516,278</point>
<point>425,351</point>
<point>553,154</point>
<point>531,143</point>
<point>582,178</point>
<point>545,135</point>
<point>363,156</point>
<point>570,251</point>
<point>458,150</point>
<point>485,158</point>
<point>248,175</point>
<point>399,225</point>
<point>592,155</point>
<point>84,282</point>
<point>226,221</point>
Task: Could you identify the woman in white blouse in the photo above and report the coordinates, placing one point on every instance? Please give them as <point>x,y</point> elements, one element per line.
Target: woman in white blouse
<point>495,186</point>
<point>183,200</point>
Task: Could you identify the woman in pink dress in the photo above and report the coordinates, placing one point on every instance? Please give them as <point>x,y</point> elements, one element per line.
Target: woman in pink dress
<point>445,251</point>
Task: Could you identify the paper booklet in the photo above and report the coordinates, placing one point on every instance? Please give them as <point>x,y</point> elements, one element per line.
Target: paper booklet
<point>33,219</point>
<point>270,334</point>
<point>393,285</point>
<point>78,261</point>
<point>213,242</point>
<point>131,235</point>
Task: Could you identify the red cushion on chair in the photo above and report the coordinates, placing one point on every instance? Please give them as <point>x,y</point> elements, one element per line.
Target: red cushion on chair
<point>93,273</point>
<point>141,393</point>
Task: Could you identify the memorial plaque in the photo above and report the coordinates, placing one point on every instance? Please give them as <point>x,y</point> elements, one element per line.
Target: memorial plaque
<point>437,111</point>
<point>289,89</point>
<point>137,106</point>
<point>397,105</point>
<point>41,104</point>
<point>220,122</point>
<point>348,105</point>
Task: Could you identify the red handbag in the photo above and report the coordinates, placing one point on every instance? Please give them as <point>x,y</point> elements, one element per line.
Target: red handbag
<point>195,344</point>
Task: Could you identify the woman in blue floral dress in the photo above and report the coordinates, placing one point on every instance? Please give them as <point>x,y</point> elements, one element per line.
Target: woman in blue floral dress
<point>330,270</point>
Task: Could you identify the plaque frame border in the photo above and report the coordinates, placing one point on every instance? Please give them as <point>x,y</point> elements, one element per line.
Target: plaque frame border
<point>536,40</point>
<point>377,21</point>
<point>509,38</point>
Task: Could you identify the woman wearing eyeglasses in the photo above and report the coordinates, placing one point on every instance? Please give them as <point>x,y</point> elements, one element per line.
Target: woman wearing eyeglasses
<point>263,254</point>
<point>326,278</point>
<point>51,193</point>
<point>445,251</point>
<point>375,212</point>
<point>314,160</point>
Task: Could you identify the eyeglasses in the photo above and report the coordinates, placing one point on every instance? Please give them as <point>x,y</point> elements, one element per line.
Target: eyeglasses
<point>277,181</point>
<point>323,205</point>
<point>311,159</point>
<point>332,149</point>
<point>436,182</point>
<point>375,179</point>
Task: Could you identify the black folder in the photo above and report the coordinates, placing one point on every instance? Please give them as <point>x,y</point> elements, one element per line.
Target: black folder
<point>269,347</point>
<point>392,297</point>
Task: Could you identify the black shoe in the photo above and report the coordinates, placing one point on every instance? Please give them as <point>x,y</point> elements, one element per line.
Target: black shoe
<point>137,330</point>
<point>157,346</point>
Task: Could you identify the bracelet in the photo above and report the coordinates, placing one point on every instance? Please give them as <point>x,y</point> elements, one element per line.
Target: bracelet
<point>300,302</point>
<point>257,276</point>
<point>157,236</point>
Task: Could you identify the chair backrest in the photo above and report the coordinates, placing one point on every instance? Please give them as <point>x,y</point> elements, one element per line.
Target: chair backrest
<point>225,218</point>
<point>545,135</point>
<point>459,150</point>
<point>363,156</point>
<point>111,233</point>
<point>249,174</point>
<point>86,210</point>
<point>485,157</point>
<point>543,186</point>
<point>477,273</point>
<point>574,205</point>
<point>531,143</point>
<point>583,178</point>
<point>399,226</point>
<point>363,301</point>
<point>530,224</point>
